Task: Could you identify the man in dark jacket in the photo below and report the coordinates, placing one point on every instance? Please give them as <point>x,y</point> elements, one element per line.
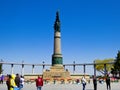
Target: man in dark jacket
<point>95,82</point>
<point>17,80</point>
<point>8,81</point>
<point>39,83</point>
<point>108,82</point>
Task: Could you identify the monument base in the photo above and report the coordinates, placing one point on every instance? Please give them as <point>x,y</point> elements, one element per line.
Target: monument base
<point>56,73</point>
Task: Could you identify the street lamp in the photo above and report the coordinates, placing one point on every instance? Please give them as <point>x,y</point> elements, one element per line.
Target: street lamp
<point>73,67</point>
<point>43,65</point>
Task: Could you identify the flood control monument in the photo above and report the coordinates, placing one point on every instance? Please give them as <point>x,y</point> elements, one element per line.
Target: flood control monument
<point>57,70</point>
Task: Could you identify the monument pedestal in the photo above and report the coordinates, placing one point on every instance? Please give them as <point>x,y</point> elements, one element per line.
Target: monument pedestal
<point>56,73</point>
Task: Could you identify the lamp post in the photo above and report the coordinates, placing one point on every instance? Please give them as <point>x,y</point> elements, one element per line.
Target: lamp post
<point>94,77</point>
<point>73,67</point>
<point>33,68</point>
<point>84,69</point>
<point>22,73</point>
<point>94,69</point>
<point>43,66</point>
<point>105,67</point>
<point>1,67</point>
<point>11,68</point>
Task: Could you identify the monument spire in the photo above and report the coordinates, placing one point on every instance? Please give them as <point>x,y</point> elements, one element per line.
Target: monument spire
<point>57,22</point>
<point>57,56</point>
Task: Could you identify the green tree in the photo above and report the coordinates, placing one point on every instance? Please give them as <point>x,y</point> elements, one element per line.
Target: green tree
<point>116,69</point>
<point>100,65</point>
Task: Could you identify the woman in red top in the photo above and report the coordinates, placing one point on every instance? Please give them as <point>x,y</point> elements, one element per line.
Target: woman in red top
<point>39,83</point>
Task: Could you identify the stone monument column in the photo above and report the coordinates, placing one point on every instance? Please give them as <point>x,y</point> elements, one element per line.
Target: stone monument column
<point>57,56</point>
<point>57,71</point>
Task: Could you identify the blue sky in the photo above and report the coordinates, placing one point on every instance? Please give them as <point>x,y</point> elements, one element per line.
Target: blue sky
<point>90,30</point>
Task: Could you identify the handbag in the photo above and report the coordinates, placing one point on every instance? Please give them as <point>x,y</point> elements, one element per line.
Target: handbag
<point>16,88</point>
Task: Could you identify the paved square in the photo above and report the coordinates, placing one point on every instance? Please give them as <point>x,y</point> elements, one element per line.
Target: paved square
<point>114,86</point>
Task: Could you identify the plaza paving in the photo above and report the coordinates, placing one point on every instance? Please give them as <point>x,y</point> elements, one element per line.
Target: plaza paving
<point>114,86</point>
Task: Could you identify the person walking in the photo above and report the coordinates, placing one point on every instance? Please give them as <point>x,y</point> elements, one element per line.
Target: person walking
<point>108,82</point>
<point>8,82</point>
<point>39,83</point>
<point>95,82</point>
<point>1,78</point>
<point>17,80</point>
<point>12,82</point>
<point>84,82</point>
<point>21,82</point>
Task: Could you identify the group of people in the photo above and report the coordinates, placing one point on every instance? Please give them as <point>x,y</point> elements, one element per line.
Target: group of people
<point>84,82</point>
<point>15,82</point>
<point>39,82</point>
<point>107,79</point>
